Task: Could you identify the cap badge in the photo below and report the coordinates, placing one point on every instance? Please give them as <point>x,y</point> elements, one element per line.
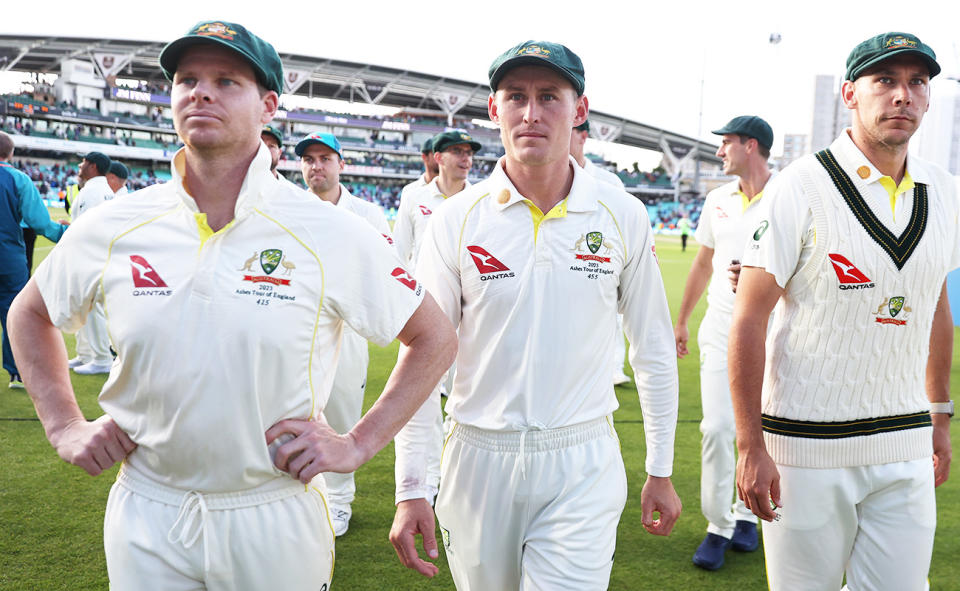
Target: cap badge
<point>899,42</point>
<point>534,50</point>
<point>216,30</point>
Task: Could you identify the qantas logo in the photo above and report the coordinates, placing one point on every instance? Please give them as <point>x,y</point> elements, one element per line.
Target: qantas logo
<point>388,238</point>
<point>487,263</point>
<point>721,214</point>
<point>405,278</point>
<point>849,275</point>
<point>146,278</point>
<point>425,210</point>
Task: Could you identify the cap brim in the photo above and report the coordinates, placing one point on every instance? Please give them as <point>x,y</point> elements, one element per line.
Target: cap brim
<point>304,144</point>
<point>529,60</point>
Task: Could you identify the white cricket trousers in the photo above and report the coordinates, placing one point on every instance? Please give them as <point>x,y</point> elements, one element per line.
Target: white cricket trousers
<point>531,510</point>
<point>874,523</point>
<point>345,405</point>
<point>158,538</point>
<point>93,340</point>
<point>719,502</point>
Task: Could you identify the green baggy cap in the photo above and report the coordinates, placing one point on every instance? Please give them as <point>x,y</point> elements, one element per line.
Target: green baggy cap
<point>881,47</point>
<point>539,53</point>
<point>750,126</point>
<point>261,56</point>
<point>444,140</point>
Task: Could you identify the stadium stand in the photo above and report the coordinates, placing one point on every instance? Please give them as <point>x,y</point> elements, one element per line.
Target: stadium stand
<point>131,122</point>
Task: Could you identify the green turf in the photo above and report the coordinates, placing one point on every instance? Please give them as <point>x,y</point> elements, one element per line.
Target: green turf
<point>51,513</point>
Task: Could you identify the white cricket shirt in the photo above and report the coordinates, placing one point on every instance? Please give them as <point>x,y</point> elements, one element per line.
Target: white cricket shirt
<point>221,335</point>
<point>94,192</point>
<point>536,305</point>
<point>414,212</point>
<point>726,227</point>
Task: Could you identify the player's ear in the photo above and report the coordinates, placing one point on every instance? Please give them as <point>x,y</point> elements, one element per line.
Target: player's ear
<point>271,102</point>
<point>492,108</point>
<point>848,94</point>
<point>582,107</point>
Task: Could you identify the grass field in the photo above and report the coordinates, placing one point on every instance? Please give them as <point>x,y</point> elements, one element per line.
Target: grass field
<point>51,513</point>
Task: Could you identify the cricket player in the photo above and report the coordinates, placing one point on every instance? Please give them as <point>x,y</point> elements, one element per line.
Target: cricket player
<point>117,176</point>
<point>93,341</point>
<point>836,432</point>
<point>453,153</point>
<point>404,224</point>
<point>578,140</point>
<point>729,217</point>
<point>411,218</point>
<point>227,294</point>
<point>321,162</point>
<point>273,138</point>
<point>533,265</point>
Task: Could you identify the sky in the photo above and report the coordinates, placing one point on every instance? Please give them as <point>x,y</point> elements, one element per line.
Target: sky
<point>655,63</point>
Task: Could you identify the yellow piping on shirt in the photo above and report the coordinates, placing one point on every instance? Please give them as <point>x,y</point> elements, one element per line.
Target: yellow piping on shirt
<point>623,242</point>
<point>103,292</point>
<point>443,448</point>
<point>316,321</point>
<point>464,224</point>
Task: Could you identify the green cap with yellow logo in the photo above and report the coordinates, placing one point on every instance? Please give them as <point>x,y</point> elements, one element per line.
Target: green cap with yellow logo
<point>271,130</point>
<point>539,53</point>
<point>881,47</point>
<point>444,140</point>
<point>262,57</point>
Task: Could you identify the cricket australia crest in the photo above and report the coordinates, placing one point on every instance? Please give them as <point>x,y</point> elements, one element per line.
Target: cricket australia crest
<point>270,259</point>
<point>594,241</point>
<point>892,307</point>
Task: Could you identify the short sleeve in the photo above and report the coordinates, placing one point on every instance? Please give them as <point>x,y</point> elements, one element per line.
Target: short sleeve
<point>69,278</point>
<point>777,243</point>
<point>366,284</point>
<point>704,232</point>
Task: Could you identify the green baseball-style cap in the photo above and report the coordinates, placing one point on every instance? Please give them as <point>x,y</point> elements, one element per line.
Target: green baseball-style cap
<point>539,53</point>
<point>585,126</point>
<point>119,170</point>
<point>274,132</point>
<point>444,140</point>
<point>327,139</point>
<point>100,160</point>
<point>427,146</point>
<point>750,126</point>
<point>880,47</point>
<point>262,57</point>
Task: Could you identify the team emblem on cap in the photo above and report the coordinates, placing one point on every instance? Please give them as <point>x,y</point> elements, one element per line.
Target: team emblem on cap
<point>534,50</point>
<point>466,137</point>
<point>216,30</point>
<point>899,42</point>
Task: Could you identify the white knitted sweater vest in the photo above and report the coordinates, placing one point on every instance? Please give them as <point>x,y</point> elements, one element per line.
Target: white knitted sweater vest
<point>846,362</point>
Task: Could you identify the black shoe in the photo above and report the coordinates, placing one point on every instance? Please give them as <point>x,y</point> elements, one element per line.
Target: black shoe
<point>710,553</point>
<point>15,382</point>
<point>745,538</point>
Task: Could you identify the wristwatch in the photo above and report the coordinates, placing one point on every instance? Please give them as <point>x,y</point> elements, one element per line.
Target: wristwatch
<point>943,408</point>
